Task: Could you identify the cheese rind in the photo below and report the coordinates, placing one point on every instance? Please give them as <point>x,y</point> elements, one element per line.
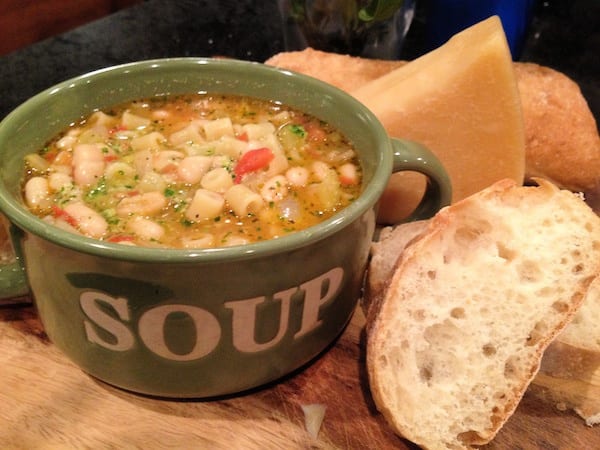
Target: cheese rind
<point>462,101</point>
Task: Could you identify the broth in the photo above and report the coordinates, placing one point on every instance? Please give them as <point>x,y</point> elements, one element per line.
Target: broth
<point>193,171</point>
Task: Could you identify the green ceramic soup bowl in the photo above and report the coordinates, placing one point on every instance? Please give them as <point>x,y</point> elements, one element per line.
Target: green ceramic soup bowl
<point>197,323</point>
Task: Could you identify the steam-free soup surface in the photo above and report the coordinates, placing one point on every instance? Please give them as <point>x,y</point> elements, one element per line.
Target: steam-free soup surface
<point>192,171</point>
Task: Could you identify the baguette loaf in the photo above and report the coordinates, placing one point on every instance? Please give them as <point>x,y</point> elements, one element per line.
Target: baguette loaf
<point>561,135</point>
<point>459,331</point>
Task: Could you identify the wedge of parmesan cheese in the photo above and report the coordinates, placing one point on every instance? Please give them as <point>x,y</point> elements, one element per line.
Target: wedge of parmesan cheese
<point>462,101</point>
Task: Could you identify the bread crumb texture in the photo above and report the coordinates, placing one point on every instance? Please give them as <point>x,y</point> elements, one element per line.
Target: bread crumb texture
<point>471,307</point>
<point>584,329</point>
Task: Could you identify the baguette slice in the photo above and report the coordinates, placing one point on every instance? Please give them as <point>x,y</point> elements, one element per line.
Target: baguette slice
<point>472,304</point>
<point>569,375</point>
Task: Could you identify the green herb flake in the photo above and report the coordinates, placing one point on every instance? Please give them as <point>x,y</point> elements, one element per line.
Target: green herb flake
<point>98,190</point>
<point>298,130</point>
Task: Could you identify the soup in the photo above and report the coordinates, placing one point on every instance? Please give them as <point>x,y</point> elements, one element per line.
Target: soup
<point>192,171</point>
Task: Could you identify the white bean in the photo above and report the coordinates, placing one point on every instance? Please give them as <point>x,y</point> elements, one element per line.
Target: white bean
<point>36,192</point>
<point>89,222</point>
<point>59,180</point>
<point>320,170</point>
<point>297,176</point>
<point>148,203</point>
<point>58,223</point>
<point>87,152</point>
<point>192,169</point>
<point>88,164</point>
<point>348,174</point>
<point>145,229</point>
<point>274,189</point>
<point>88,172</point>
<point>66,142</point>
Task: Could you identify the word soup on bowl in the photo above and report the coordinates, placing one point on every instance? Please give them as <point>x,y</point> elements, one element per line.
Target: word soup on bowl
<point>193,171</point>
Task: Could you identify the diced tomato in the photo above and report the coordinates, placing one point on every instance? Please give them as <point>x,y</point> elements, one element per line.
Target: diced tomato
<point>315,132</point>
<point>50,156</point>
<point>117,129</point>
<point>110,158</point>
<point>243,137</point>
<point>61,214</point>
<point>251,161</point>
<point>168,168</point>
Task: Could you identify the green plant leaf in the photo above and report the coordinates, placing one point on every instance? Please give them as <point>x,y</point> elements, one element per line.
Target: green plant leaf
<point>379,10</point>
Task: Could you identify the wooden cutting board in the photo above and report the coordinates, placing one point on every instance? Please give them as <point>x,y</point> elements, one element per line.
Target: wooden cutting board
<point>48,403</point>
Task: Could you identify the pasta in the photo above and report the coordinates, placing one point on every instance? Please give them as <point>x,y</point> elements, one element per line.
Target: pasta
<point>243,200</point>
<point>192,171</point>
<point>205,205</point>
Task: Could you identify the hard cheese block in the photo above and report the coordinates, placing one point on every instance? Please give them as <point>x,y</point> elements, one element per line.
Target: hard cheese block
<point>462,101</point>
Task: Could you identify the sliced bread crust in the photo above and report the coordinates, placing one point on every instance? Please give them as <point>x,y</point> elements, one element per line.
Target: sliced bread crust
<point>385,252</point>
<point>460,329</point>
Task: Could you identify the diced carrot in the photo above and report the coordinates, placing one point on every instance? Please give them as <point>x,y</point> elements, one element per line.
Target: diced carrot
<point>63,158</point>
<point>117,129</point>
<point>61,214</point>
<point>348,174</point>
<point>50,156</point>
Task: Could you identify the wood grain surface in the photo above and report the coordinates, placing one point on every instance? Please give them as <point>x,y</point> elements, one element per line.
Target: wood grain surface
<point>48,403</point>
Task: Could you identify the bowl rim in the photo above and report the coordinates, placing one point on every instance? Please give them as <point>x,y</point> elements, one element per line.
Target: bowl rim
<point>18,215</point>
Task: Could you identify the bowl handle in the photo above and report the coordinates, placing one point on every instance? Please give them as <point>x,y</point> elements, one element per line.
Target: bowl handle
<point>410,155</point>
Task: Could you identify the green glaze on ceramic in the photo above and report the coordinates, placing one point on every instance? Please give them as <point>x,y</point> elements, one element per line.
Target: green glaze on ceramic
<point>198,323</point>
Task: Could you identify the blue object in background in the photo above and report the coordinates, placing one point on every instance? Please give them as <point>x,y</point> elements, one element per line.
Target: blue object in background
<point>447,17</point>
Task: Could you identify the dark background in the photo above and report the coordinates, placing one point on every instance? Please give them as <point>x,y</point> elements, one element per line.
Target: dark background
<point>564,35</point>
